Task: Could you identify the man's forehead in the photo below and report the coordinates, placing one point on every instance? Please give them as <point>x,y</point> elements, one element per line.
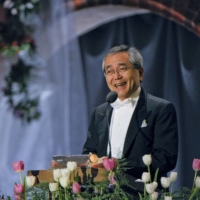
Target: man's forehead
<point>118,64</point>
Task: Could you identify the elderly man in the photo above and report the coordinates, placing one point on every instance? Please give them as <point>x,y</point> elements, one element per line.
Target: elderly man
<point>139,123</point>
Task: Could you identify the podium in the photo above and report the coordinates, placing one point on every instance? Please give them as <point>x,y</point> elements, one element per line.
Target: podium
<point>96,173</point>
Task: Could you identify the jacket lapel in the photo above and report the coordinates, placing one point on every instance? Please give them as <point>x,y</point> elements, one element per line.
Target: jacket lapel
<point>104,118</point>
<point>139,115</point>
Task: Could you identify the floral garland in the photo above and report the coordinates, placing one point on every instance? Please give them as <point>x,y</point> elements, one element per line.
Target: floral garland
<point>65,189</point>
<point>14,37</point>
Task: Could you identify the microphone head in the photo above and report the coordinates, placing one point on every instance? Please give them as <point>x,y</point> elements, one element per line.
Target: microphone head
<point>111,97</point>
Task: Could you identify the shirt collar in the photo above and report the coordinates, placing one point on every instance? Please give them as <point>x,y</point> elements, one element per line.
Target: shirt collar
<point>129,101</point>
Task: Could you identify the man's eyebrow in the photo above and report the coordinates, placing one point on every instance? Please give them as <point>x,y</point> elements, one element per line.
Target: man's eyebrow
<point>107,67</point>
<point>122,64</point>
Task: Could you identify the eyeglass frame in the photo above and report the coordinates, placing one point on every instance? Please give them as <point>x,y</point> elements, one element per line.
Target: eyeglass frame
<point>123,67</point>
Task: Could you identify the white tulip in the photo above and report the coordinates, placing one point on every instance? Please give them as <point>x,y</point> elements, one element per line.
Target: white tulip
<point>64,181</point>
<point>57,174</point>
<point>8,4</point>
<point>150,187</point>
<point>71,166</point>
<point>53,187</point>
<point>154,196</point>
<point>14,11</point>
<point>147,159</point>
<point>30,180</point>
<point>168,198</point>
<point>29,5</point>
<point>65,172</point>
<point>197,182</point>
<point>173,176</point>
<point>165,182</point>
<point>145,177</point>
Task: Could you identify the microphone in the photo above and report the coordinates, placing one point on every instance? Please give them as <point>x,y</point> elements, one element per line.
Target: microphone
<point>111,97</point>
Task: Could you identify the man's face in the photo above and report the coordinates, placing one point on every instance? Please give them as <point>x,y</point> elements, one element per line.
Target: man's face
<point>124,82</point>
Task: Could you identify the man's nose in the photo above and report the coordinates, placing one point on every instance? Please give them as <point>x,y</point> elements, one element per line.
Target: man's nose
<point>117,74</point>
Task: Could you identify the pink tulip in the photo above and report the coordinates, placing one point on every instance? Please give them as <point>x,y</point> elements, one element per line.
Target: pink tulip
<point>76,188</point>
<point>196,164</point>
<point>18,166</point>
<point>18,188</point>
<point>109,164</point>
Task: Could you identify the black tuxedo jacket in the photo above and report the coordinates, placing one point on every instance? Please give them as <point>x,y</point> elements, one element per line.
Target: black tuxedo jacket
<point>158,138</point>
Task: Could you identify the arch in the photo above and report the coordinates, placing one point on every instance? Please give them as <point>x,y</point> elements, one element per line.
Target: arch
<point>184,12</point>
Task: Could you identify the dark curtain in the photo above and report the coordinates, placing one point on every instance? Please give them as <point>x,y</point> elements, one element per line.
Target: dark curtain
<point>172,71</point>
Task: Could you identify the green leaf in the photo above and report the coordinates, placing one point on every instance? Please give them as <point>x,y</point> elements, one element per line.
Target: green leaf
<point>156,175</point>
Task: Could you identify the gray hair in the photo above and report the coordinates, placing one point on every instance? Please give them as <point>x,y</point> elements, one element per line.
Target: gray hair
<point>135,57</point>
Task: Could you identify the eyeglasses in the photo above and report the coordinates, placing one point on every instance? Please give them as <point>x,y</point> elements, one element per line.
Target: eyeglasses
<point>120,70</point>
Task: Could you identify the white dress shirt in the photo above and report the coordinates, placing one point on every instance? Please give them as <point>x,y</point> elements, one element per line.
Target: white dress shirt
<point>121,116</point>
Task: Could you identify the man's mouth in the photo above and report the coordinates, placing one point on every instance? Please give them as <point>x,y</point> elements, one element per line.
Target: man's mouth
<point>120,84</point>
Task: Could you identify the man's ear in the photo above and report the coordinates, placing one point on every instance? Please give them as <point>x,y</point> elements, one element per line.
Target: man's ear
<point>141,73</point>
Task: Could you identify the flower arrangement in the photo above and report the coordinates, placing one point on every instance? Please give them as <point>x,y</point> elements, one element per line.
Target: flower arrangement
<point>66,185</point>
<point>184,193</point>
<point>15,36</point>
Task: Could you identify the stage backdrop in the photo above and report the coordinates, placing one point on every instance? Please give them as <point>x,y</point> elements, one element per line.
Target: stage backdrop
<point>71,84</point>
<point>171,71</point>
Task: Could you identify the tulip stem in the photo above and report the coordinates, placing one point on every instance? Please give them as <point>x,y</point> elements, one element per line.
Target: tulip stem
<point>171,189</point>
<point>193,193</point>
<point>195,175</point>
<point>149,172</point>
<point>20,177</point>
<point>144,190</point>
<point>66,196</point>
